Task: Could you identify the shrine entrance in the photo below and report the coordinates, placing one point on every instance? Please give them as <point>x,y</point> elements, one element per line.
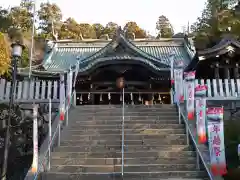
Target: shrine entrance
<point>142,86</point>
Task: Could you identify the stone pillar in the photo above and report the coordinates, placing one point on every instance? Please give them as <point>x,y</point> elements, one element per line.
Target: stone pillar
<point>236,71</point>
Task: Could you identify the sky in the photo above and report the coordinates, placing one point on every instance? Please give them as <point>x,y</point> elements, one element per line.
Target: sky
<point>144,12</point>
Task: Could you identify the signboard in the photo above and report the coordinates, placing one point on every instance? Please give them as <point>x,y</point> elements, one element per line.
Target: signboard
<point>216,141</point>
<point>189,78</point>
<point>200,96</point>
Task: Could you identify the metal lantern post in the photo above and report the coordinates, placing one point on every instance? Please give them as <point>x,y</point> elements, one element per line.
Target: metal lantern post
<point>17,49</point>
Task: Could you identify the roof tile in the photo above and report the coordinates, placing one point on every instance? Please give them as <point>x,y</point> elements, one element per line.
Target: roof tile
<point>66,55</point>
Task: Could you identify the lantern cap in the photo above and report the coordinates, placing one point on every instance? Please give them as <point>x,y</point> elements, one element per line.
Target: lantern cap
<point>17,48</point>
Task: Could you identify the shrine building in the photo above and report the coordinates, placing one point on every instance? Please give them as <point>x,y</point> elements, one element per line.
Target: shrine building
<point>143,63</point>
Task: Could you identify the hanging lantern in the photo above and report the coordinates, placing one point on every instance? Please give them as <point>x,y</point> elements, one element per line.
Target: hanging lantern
<point>120,83</point>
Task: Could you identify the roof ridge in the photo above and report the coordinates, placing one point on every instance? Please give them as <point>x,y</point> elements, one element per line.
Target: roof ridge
<point>104,40</point>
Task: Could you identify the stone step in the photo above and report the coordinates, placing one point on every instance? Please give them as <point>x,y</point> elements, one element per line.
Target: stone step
<point>79,126</point>
<point>127,131</point>
<point>127,113</point>
<point>127,108</point>
<point>95,117</point>
<point>161,139</point>
<point>127,123</point>
<point>128,154</point>
<point>162,175</point>
<point>135,106</point>
<point>147,136</point>
<point>117,168</point>
<point>110,148</point>
<point>150,142</point>
<point>112,161</point>
<point>116,142</point>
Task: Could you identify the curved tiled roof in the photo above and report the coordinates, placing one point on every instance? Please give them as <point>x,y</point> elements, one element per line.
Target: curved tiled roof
<point>64,57</point>
<point>156,52</point>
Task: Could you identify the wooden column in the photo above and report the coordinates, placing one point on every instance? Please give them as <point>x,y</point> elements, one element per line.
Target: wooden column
<point>236,71</point>
<point>91,94</point>
<point>226,70</point>
<point>216,71</point>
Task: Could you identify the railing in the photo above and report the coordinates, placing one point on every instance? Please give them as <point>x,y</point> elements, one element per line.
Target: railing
<point>43,89</point>
<point>54,128</point>
<point>123,119</point>
<point>189,133</point>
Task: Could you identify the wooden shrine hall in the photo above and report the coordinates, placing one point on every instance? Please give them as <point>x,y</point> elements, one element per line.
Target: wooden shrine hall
<point>144,64</point>
<point>218,62</point>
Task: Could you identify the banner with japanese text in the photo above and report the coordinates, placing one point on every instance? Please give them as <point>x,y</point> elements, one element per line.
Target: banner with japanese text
<point>62,98</point>
<point>34,167</point>
<point>76,73</point>
<point>69,87</point>
<point>179,65</point>
<point>178,83</point>
<point>216,140</point>
<point>189,78</point>
<point>200,100</point>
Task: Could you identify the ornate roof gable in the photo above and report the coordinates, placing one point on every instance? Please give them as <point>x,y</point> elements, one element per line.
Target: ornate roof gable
<point>226,45</point>
<point>122,48</point>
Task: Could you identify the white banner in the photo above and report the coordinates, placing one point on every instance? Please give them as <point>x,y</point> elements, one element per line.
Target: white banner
<point>34,167</point>
<point>178,84</point>
<point>200,96</point>
<point>69,89</point>
<point>76,73</point>
<point>189,78</point>
<point>62,98</point>
<point>216,141</point>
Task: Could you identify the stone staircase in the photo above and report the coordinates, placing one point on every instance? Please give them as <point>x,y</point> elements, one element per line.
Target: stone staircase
<point>155,146</point>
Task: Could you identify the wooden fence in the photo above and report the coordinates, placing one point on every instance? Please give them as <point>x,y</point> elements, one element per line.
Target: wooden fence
<point>42,89</point>
<point>221,89</point>
<point>34,90</point>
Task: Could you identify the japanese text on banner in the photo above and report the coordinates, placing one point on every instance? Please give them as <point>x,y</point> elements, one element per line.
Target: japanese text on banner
<point>200,96</point>
<point>190,88</point>
<point>216,141</point>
